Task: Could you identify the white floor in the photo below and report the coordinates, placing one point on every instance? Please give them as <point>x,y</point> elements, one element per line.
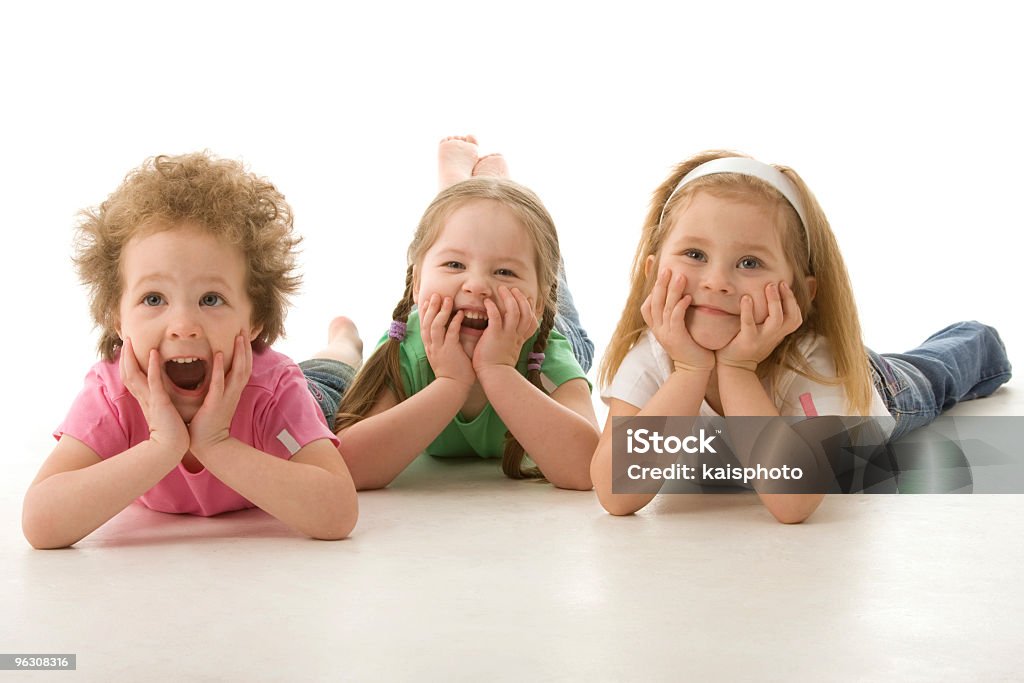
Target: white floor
<point>455,572</point>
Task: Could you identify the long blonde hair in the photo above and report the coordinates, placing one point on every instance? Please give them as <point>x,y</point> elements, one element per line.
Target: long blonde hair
<point>832,313</point>
<point>383,370</point>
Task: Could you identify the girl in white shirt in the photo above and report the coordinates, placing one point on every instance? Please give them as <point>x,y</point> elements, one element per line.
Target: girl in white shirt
<point>740,305</point>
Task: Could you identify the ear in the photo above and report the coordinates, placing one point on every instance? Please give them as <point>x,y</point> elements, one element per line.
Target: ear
<point>812,286</point>
<point>649,265</point>
<point>255,332</point>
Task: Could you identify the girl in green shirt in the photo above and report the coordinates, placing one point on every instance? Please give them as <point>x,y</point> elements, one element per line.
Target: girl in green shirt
<point>472,363</point>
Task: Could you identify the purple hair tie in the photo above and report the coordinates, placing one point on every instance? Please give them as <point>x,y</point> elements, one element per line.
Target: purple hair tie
<point>535,360</point>
<point>397,330</point>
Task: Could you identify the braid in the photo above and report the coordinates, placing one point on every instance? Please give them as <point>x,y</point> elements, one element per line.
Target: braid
<point>512,459</point>
<point>381,371</point>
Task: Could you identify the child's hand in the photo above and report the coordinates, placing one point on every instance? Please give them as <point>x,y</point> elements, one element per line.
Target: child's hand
<point>664,311</point>
<point>503,340</point>
<point>441,341</point>
<point>165,424</point>
<point>212,422</point>
<point>755,342</point>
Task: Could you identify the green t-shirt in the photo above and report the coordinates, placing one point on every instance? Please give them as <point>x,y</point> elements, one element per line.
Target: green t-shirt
<point>484,435</point>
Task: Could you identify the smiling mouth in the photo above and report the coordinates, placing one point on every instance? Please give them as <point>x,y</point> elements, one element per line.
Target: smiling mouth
<point>475,320</point>
<point>711,310</point>
<point>186,373</point>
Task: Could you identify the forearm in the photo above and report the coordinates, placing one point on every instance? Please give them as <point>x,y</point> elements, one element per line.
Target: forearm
<point>558,439</point>
<point>680,395</point>
<point>602,473</point>
<point>377,448</point>
<point>310,499</point>
<point>66,507</point>
<point>743,395</point>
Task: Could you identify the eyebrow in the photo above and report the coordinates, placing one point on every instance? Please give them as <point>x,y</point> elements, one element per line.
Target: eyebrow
<point>459,253</point>
<point>157,278</point>
<point>741,246</point>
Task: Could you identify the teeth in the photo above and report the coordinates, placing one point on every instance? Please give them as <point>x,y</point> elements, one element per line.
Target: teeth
<point>184,360</point>
<point>476,315</point>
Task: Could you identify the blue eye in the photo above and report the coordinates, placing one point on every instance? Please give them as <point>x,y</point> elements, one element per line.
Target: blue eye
<point>152,300</point>
<point>695,254</point>
<point>211,299</point>
<point>504,272</point>
<point>453,264</point>
<point>748,263</point>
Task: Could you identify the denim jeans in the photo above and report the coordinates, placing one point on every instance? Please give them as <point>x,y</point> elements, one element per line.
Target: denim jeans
<point>567,321</point>
<point>964,361</point>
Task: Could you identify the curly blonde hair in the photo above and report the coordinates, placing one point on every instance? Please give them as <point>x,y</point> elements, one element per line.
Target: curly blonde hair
<point>218,195</point>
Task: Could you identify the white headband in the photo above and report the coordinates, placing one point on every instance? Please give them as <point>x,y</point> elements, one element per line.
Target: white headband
<point>748,167</point>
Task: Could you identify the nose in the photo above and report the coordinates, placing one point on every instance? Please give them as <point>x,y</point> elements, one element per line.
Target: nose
<point>477,283</point>
<point>717,278</point>
<point>184,323</point>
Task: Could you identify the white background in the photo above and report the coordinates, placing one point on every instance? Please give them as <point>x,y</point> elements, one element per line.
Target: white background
<point>904,119</point>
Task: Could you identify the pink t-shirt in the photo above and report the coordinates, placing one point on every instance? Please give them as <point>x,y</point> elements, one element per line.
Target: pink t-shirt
<point>276,414</point>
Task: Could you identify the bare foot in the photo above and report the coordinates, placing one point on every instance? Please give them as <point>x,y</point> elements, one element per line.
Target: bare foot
<point>456,158</point>
<point>493,165</point>
<point>343,343</point>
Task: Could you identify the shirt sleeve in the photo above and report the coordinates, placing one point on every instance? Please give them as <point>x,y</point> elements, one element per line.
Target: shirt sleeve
<point>97,416</point>
<point>560,364</point>
<point>639,376</point>
<point>290,418</point>
<point>802,396</point>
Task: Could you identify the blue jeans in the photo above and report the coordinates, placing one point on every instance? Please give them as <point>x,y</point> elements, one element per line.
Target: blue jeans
<point>964,361</point>
<point>567,321</point>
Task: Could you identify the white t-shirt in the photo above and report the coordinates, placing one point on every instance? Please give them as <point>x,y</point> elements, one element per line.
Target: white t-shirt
<point>647,366</point>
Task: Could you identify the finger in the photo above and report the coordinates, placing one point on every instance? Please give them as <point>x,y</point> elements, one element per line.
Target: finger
<point>747,314</point>
<point>241,366</point>
<point>452,335</point>
<point>658,295</point>
<point>516,309</point>
<point>677,321</point>
<point>154,377</point>
<point>216,377</point>
<point>439,325</point>
<point>528,322</point>
<point>790,309</point>
<point>130,372</point>
<point>774,304</point>
<point>495,325</point>
<point>428,312</point>
<point>674,293</point>
<point>645,311</point>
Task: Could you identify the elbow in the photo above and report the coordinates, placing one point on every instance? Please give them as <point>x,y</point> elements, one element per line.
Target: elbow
<point>580,476</point>
<point>793,508</point>
<point>791,517</point>
<point>371,483</point>
<point>340,523</point>
<point>573,481</point>
<point>41,534</point>
<point>616,506</point>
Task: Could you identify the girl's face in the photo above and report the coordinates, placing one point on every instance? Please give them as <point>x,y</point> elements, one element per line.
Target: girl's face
<point>726,248</point>
<point>482,246</point>
<point>185,296</point>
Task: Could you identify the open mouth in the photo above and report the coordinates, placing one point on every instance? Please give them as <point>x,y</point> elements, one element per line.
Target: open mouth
<point>186,373</point>
<point>476,320</point>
